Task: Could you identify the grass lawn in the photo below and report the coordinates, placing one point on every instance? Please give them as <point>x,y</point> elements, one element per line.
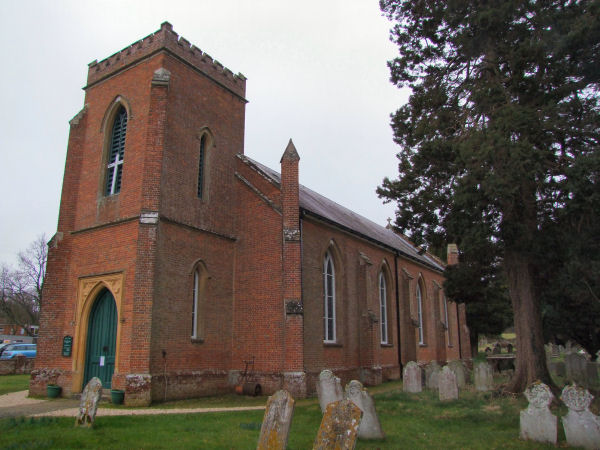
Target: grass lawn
<point>477,421</point>
<point>13,383</point>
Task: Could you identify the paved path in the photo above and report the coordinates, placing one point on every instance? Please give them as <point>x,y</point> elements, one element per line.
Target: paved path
<point>18,404</point>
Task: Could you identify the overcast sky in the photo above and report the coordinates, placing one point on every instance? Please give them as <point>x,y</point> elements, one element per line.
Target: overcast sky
<point>316,73</point>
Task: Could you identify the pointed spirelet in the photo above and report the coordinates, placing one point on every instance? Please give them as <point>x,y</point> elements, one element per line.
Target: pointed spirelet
<point>290,153</point>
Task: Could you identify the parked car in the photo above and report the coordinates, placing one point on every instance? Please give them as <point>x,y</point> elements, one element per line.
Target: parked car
<point>13,350</point>
<point>3,346</point>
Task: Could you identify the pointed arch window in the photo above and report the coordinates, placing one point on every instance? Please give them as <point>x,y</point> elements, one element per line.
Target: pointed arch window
<point>420,314</point>
<point>198,299</point>
<point>383,319</point>
<point>114,168</point>
<point>201,158</point>
<point>329,299</point>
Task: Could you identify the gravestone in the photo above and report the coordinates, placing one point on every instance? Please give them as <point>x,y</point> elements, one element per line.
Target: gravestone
<point>370,427</point>
<point>582,427</point>
<point>576,367</point>
<point>537,422</point>
<point>329,389</point>
<point>497,349</point>
<point>276,422</point>
<point>411,378</point>
<point>484,379</point>
<point>460,371</point>
<point>592,377</point>
<point>509,348</point>
<point>557,368</point>
<point>447,385</point>
<point>432,374</point>
<point>89,403</point>
<point>339,426</point>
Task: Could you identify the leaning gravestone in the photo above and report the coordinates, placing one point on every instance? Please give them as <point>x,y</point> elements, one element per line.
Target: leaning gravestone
<point>447,385</point>
<point>576,367</point>
<point>432,374</point>
<point>276,422</point>
<point>460,371</point>
<point>339,427</point>
<point>89,403</point>
<point>411,378</point>
<point>484,379</point>
<point>537,422</point>
<point>582,427</point>
<point>370,427</point>
<point>329,389</point>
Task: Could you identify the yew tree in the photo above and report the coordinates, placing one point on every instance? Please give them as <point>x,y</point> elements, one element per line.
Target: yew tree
<point>504,102</point>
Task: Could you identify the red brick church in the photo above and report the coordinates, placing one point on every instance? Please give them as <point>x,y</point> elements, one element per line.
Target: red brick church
<point>178,259</point>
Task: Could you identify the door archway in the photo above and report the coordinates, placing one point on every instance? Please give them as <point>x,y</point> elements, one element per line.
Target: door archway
<point>101,340</point>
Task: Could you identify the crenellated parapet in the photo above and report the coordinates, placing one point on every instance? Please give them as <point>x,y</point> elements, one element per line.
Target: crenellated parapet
<point>166,38</point>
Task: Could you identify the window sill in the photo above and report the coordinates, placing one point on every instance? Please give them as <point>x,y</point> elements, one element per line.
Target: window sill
<point>387,345</point>
<point>197,340</point>
<point>332,344</point>
<point>422,345</point>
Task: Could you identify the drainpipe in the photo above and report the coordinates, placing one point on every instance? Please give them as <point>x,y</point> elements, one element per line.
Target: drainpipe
<point>398,313</point>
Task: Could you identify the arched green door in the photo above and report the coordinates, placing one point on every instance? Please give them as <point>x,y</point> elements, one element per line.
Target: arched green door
<point>101,340</point>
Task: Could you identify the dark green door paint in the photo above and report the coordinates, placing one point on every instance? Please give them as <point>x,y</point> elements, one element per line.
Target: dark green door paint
<point>101,340</point>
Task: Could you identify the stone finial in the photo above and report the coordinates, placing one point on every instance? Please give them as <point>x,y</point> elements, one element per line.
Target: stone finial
<point>582,427</point>
<point>161,77</point>
<point>370,427</point>
<point>537,423</point>
<point>290,153</point>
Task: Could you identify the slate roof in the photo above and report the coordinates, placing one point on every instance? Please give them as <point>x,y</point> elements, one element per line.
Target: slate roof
<point>314,204</point>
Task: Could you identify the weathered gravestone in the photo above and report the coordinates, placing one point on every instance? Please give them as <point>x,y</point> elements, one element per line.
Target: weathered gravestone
<point>576,368</point>
<point>329,389</point>
<point>432,374</point>
<point>537,422</point>
<point>592,377</point>
<point>89,403</point>
<point>370,427</point>
<point>460,371</point>
<point>484,379</point>
<point>582,427</point>
<point>447,385</point>
<point>276,422</point>
<point>411,378</point>
<point>339,427</point>
<point>557,368</point>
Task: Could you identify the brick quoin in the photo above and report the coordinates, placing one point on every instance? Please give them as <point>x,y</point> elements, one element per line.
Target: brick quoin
<point>258,237</point>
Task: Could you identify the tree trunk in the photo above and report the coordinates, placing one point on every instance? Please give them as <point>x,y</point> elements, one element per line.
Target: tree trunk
<point>530,356</point>
<point>474,337</point>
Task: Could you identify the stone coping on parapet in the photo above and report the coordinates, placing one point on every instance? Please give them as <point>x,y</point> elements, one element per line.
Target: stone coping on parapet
<point>166,38</point>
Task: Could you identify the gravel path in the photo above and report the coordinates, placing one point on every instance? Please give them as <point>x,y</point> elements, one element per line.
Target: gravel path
<point>17,404</point>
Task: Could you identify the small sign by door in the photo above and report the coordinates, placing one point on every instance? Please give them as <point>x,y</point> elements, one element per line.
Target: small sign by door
<point>67,345</point>
<point>102,361</point>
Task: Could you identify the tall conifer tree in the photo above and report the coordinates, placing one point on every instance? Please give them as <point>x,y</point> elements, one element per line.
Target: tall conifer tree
<point>504,102</point>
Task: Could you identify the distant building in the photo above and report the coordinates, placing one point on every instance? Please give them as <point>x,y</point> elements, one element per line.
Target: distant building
<point>178,258</point>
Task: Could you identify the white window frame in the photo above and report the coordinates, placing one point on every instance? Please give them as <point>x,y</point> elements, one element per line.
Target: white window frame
<point>420,314</point>
<point>196,295</point>
<point>329,325</point>
<point>383,308</point>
